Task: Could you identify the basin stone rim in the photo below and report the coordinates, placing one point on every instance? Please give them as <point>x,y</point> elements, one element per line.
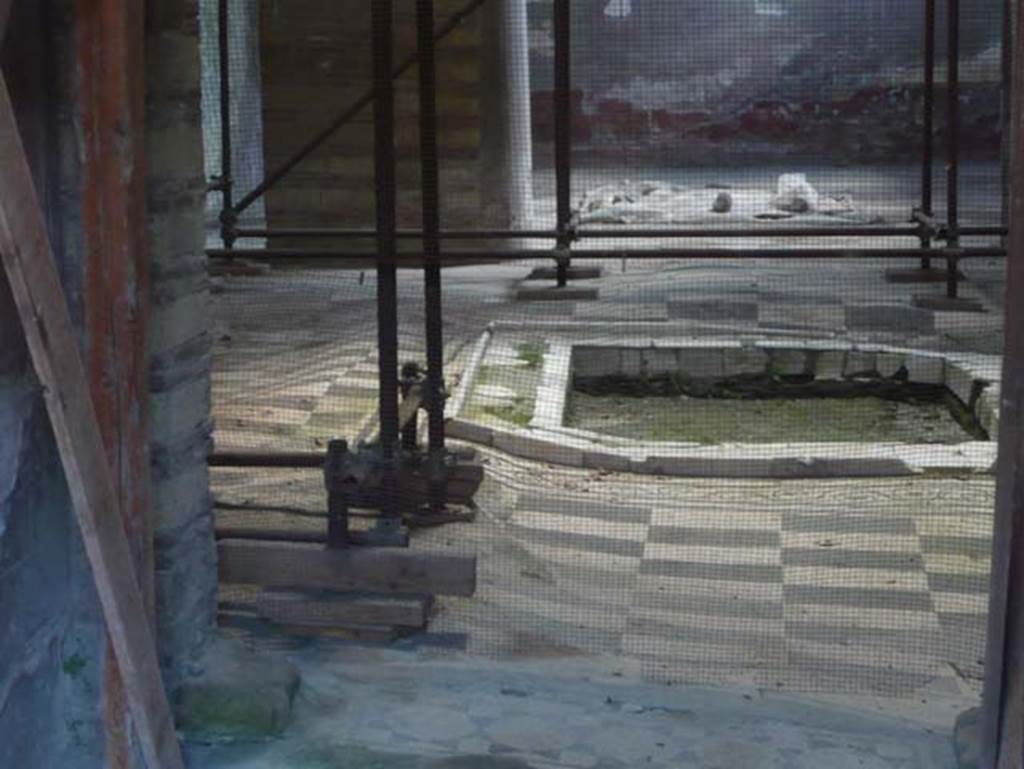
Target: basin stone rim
<point>973,378</point>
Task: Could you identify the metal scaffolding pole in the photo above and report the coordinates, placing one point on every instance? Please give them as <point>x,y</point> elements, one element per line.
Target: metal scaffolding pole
<point>490,256</point>
<point>563,137</point>
<point>928,126</point>
<point>859,231</point>
<point>225,184</point>
<point>953,146</point>
<point>387,277</point>
<point>430,194</point>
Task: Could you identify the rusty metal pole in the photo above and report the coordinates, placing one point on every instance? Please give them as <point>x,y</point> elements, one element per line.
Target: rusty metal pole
<point>387,276</point>
<point>225,184</point>
<point>928,127</point>
<point>431,203</point>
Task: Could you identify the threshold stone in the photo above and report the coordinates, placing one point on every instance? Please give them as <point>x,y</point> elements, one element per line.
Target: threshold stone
<point>238,696</point>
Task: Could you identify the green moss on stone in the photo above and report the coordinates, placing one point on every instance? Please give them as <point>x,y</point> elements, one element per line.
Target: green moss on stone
<point>74,665</point>
<point>532,353</point>
<point>237,699</point>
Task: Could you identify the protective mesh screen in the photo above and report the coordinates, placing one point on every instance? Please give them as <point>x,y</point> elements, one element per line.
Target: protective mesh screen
<point>713,466</point>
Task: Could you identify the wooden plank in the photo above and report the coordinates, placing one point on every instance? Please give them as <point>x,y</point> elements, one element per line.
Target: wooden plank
<point>109,102</point>
<point>31,271</point>
<point>308,567</point>
<point>365,633</point>
<point>356,537</point>
<point>322,609</point>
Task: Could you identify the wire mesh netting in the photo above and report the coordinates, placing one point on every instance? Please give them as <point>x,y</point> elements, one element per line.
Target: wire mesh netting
<point>751,440</point>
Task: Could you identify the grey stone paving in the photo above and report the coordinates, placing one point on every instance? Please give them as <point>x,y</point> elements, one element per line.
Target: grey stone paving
<point>389,710</point>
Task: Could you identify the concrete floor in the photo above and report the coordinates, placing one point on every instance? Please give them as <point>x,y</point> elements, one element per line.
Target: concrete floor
<point>386,709</point>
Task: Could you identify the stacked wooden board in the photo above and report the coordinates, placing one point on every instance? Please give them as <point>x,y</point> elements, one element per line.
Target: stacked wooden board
<point>366,593</point>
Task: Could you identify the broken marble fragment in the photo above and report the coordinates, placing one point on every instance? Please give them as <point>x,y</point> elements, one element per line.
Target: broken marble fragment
<point>795,195</point>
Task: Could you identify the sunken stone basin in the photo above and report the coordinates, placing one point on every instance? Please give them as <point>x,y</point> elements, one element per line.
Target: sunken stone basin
<point>769,408</point>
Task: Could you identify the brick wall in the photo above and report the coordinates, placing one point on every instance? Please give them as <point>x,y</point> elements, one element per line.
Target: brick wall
<point>316,60</point>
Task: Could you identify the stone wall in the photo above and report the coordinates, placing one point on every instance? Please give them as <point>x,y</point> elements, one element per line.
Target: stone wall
<point>52,680</point>
<point>51,635</point>
<point>680,82</point>
<point>316,60</point>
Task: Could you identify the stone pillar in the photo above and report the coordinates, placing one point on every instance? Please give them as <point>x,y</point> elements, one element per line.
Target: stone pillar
<point>507,157</point>
<point>179,340</point>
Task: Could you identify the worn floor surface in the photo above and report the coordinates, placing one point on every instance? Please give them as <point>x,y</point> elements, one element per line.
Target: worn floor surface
<point>371,709</point>
<point>868,588</point>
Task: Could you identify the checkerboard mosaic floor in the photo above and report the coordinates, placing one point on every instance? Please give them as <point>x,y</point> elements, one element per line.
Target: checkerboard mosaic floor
<point>873,586</point>
<point>808,584</point>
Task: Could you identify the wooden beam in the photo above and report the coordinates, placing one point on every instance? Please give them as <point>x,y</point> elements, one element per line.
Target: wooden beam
<point>110,100</point>
<point>110,103</point>
<point>308,567</point>
<point>288,607</point>
<point>29,264</point>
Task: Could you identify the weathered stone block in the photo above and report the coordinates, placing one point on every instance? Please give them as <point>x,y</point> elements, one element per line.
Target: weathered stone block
<point>179,498</point>
<point>713,310</point>
<point>967,740</point>
<point>174,324</point>
<point>659,362</point>
<point>631,363</point>
<point>744,361</point>
<point>701,363</point>
<point>830,365</point>
<point>961,383</point>
<point>788,362</point>
<point>859,363</point>
<point>527,447</point>
<point>472,432</point>
<point>238,696</point>
<point>926,369</point>
<point>890,317</point>
<point>596,362</point>
<point>181,409</point>
<point>888,364</point>
<point>603,460</point>
<point>987,410</point>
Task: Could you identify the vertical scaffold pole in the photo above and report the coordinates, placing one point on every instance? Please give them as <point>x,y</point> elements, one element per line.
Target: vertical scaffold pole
<point>928,126</point>
<point>226,183</point>
<point>953,145</point>
<point>430,193</point>
<point>387,277</point>
<point>563,137</point>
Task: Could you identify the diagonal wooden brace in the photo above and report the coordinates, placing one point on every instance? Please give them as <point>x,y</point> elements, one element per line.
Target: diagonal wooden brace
<point>30,268</point>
